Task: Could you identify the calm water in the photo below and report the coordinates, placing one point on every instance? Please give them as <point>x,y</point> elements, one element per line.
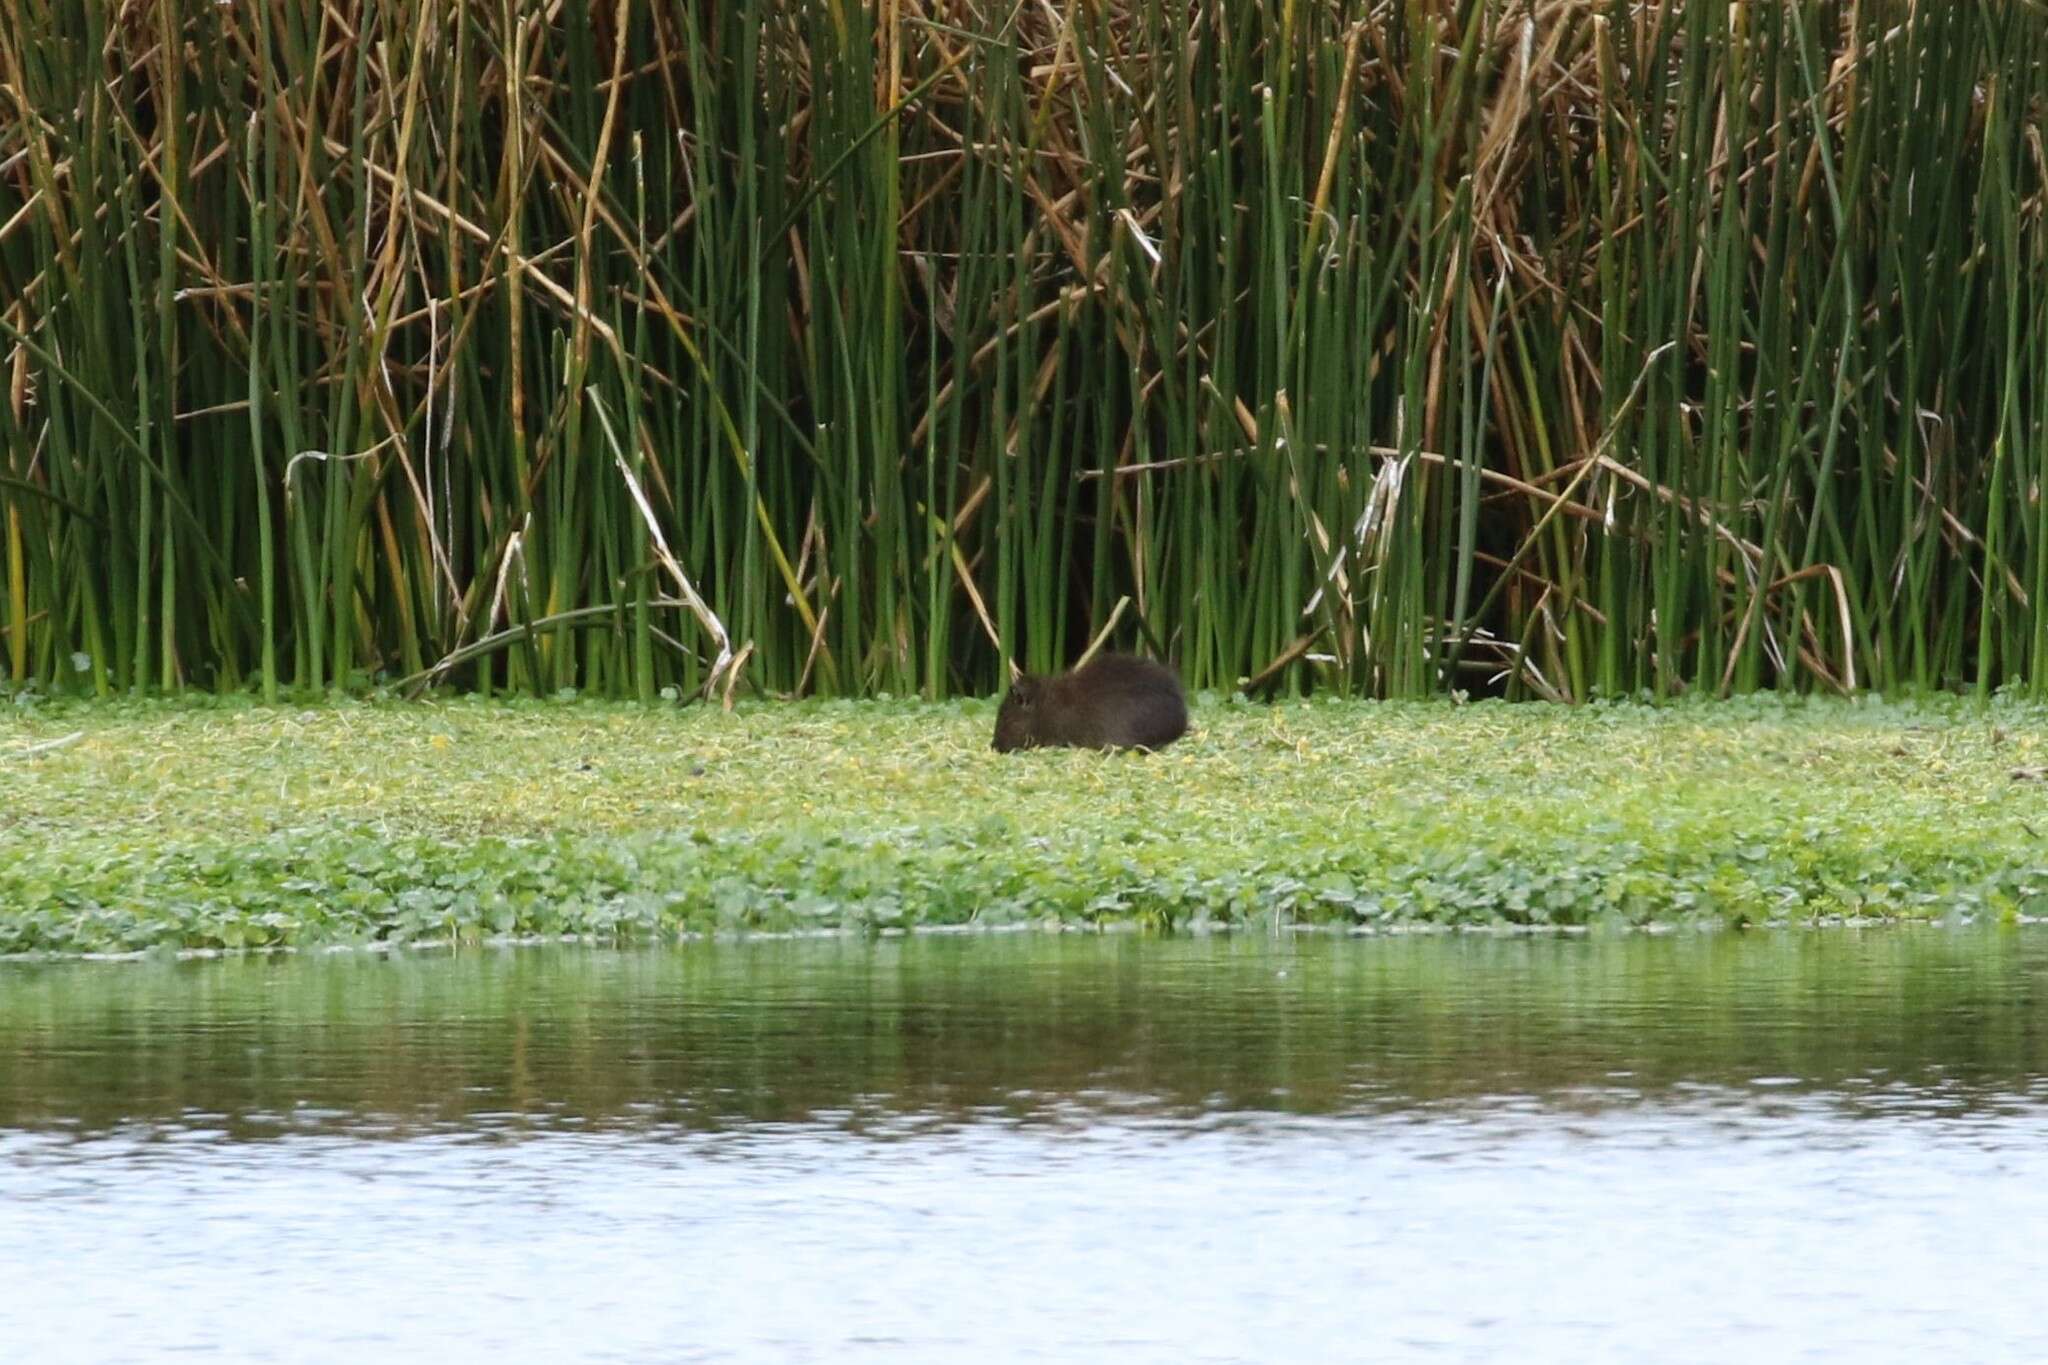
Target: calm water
<point>1826,1146</point>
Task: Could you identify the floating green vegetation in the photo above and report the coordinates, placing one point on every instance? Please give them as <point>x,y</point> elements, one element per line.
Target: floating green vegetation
<point>231,825</point>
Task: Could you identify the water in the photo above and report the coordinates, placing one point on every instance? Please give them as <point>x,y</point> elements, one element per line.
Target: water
<point>1824,1146</point>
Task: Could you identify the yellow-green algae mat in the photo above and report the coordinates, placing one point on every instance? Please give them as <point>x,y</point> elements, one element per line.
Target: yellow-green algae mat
<point>200,824</point>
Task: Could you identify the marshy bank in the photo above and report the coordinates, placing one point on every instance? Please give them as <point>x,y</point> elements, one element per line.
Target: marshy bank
<point>208,824</point>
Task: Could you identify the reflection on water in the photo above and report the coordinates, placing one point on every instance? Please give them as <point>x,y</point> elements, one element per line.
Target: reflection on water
<point>1029,1147</point>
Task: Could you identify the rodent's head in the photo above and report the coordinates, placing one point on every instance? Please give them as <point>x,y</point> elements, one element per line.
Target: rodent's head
<point>1016,718</point>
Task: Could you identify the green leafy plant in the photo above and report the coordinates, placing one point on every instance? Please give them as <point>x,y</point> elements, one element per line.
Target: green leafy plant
<point>245,826</point>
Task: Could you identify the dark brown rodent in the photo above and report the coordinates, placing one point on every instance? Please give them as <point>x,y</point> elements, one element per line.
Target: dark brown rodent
<point>1113,702</point>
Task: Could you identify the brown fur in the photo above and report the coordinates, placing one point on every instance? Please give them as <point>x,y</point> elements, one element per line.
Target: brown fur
<point>1116,701</point>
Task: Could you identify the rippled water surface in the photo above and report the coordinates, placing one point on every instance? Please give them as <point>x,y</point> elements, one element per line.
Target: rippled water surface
<point>1828,1146</point>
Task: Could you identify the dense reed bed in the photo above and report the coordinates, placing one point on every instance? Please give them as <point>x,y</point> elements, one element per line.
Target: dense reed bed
<point>1553,347</point>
